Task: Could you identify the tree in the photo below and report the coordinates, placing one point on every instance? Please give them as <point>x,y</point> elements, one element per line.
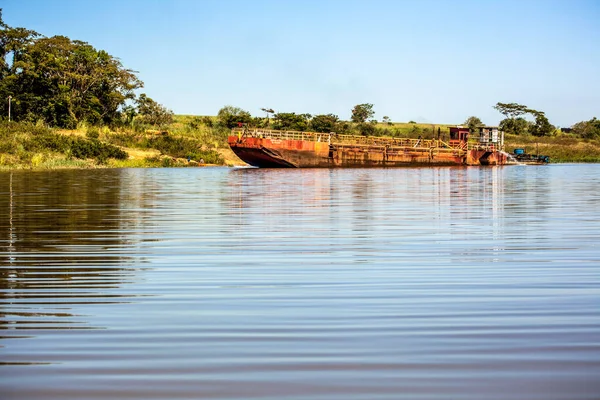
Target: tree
<point>343,127</point>
<point>514,126</point>
<point>542,126</point>
<point>588,129</point>
<point>150,112</point>
<point>291,121</point>
<point>511,110</point>
<point>366,129</point>
<point>230,117</point>
<point>386,120</point>
<point>60,80</point>
<point>473,123</point>
<point>268,111</point>
<point>13,42</point>
<point>129,112</point>
<point>513,122</point>
<point>362,112</point>
<point>324,123</point>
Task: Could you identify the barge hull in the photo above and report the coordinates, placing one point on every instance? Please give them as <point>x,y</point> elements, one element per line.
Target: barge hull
<point>293,153</point>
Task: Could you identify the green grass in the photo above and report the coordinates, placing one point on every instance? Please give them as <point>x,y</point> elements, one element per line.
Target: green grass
<point>41,161</point>
<point>139,163</point>
<point>560,148</point>
<point>176,146</point>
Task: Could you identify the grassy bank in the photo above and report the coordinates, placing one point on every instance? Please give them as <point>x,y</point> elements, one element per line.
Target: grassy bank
<point>29,146</point>
<point>193,141</point>
<point>560,148</point>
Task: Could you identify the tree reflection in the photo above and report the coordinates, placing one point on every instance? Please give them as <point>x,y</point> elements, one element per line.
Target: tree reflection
<point>62,242</point>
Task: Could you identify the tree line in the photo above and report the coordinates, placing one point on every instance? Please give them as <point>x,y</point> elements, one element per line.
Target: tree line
<point>64,82</point>
<point>515,123</point>
<point>361,121</point>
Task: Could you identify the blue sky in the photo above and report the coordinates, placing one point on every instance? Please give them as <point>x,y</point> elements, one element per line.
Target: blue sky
<point>428,61</point>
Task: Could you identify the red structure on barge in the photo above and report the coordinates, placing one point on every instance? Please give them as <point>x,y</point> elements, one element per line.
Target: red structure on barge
<point>290,149</point>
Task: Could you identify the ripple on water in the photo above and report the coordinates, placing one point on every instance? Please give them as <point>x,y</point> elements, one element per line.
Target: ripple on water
<point>429,283</point>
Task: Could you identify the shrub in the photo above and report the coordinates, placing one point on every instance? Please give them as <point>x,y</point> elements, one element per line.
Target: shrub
<point>208,121</point>
<point>92,133</point>
<point>366,129</point>
<point>95,149</point>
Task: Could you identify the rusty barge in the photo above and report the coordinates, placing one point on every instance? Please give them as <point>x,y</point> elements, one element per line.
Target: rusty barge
<point>290,149</point>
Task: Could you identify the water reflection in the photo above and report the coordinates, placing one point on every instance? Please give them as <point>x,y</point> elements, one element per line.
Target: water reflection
<point>63,242</point>
<point>363,211</point>
<point>442,283</point>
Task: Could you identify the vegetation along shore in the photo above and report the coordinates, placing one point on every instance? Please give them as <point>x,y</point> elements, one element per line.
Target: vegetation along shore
<point>66,104</point>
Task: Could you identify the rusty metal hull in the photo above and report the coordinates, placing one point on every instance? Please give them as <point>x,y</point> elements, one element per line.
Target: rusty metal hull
<point>486,157</point>
<point>278,153</point>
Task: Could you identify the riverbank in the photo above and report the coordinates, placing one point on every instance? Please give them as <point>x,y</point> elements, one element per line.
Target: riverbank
<point>192,141</point>
<point>561,148</point>
<point>28,146</point>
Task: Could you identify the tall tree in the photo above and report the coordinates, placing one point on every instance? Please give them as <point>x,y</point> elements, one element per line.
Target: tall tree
<point>511,110</point>
<point>362,112</point>
<point>514,122</point>
<point>60,80</point>
<point>150,112</point>
<point>324,123</point>
<point>291,121</point>
<point>230,116</point>
<point>269,112</point>
<point>514,126</point>
<point>366,129</point>
<point>541,126</point>
<point>13,42</point>
<point>473,123</point>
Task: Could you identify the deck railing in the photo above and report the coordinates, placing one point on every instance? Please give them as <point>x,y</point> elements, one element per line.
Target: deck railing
<point>336,139</point>
<point>281,135</point>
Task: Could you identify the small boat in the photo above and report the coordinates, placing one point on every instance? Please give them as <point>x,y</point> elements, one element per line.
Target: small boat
<point>521,157</point>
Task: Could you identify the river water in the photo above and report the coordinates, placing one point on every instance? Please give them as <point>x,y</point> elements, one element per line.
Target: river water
<point>217,283</point>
